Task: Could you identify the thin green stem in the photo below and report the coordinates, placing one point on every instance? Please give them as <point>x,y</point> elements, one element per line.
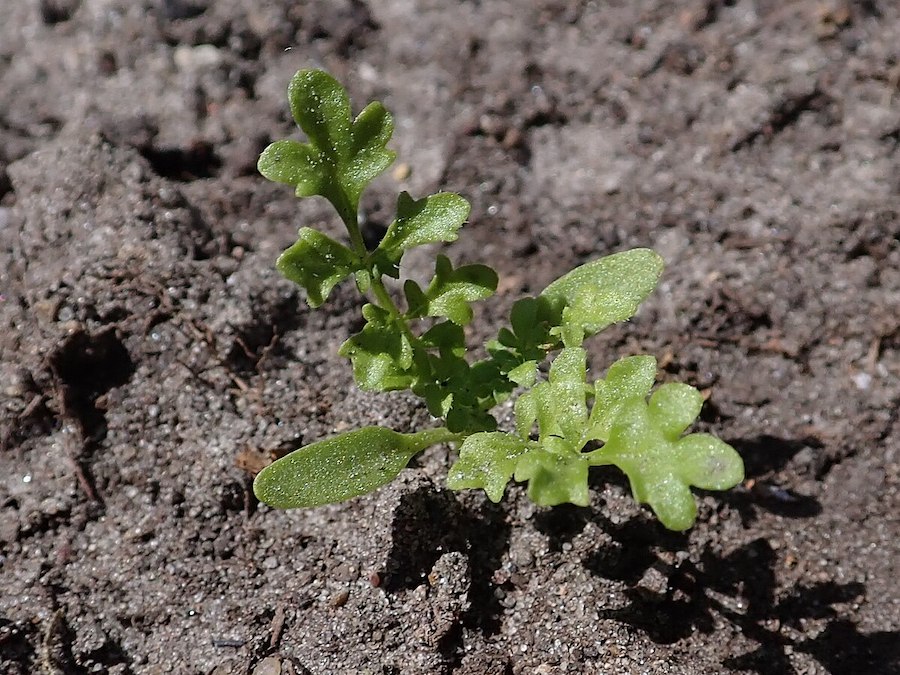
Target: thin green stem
<point>430,437</point>
<point>386,302</point>
<point>348,213</point>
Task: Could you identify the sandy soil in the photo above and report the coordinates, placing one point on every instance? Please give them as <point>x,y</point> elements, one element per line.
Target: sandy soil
<point>150,354</point>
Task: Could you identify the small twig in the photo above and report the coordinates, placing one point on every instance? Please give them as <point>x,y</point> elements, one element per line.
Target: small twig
<point>50,662</point>
<point>277,626</point>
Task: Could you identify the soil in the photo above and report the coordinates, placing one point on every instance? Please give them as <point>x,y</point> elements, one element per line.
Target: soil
<point>151,358</point>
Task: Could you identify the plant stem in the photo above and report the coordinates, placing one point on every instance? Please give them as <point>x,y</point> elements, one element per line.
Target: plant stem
<point>430,437</point>
<point>348,214</point>
<point>385,301</point>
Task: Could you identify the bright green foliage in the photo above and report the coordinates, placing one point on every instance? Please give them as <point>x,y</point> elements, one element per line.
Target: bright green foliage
<point>341,467</point>
<point>424,221</point>
<point>564,425</point>
<point>317,263</point>
<point>646,443</point>
<point>342,155</point>
<point>601,293</point>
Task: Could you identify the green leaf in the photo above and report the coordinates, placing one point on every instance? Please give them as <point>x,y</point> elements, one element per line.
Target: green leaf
<point>341,467</point>
<point>381,353</point>
<point>342,155</point>
<point>554,478</point>
<point>416,302</point>
<point>425,221</point>
<point>487,461</point>
<point>661,466</point>
<point>296,164</point>
<point>447,337</point>
<point>558,405</point>
<point>673,407</point>
<point>602,292</point>
<point>451,290</point>
<point>317,263</point>
<point>524,374</point>
<point>628,378</point>
<point>709,463</point>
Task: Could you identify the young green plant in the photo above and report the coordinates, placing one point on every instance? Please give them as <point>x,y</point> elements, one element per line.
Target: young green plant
<point>565,423</point>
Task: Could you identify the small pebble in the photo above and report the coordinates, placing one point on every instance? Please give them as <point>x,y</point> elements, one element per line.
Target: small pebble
<point>268,666</point>
<point>340,598</point>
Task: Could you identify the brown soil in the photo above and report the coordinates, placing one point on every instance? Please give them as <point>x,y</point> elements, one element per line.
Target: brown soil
<point>147,345</point>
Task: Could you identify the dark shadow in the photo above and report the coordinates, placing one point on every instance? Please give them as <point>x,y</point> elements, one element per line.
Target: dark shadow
<point>258,342</point>
<point>427,525</point>
<point>184,164</point>
<point>742,588</point>
<point>764,456</point>
<point>561,524</point>
<point>58,11</point>
<point>633,550</point>
<point>841,648</point>
<point>85,367</point>
<point>17,654</point>
<point>489,541</point>
<point>175,10</point>
<point>767,454</point>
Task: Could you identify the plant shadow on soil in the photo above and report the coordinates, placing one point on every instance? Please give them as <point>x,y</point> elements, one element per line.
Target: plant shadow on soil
<point>482,536</point>
<point>740,588</point>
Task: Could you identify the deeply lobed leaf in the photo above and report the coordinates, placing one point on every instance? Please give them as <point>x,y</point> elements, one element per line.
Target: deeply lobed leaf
<point>487,461</point>
<point>451,290</point>
<point>381,353</point>
<point>342,155</point>
<point>646,443</point>
<point>627,379</point>
<point>425,221</point>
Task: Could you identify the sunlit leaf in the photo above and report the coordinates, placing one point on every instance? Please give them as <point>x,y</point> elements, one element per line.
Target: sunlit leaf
<point>342,155</point>
<point>317,263</point>
<point>341,467</point>
<point>554,478</point>
<point>602,292</point>
<point>487,461</point>
<point>661,466</point>
<point>425,221</point>
<point>628,378</point>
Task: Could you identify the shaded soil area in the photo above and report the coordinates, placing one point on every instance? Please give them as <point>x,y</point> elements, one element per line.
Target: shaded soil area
<point>150,356</point>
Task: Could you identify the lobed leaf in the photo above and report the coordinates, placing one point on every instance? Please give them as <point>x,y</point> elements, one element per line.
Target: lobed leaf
<point>661,466</point>
<point>487,461</point>
<point>342,155</point>
<point>628,378</point>
<point>554,478</point>
<point>425,221</point>
<point>317,263</point>
<point>558,405</point>
<point>296,164</point>
<point>451,290</point>
<point>381,353</point>
<point>341,467</point>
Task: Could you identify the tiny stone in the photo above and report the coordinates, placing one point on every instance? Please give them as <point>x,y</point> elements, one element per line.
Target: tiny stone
<point>401,172</point>
<point>268,666</point>
<point>340,598</point>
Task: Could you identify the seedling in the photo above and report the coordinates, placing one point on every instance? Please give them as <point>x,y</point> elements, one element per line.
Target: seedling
<point>565,423</point>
